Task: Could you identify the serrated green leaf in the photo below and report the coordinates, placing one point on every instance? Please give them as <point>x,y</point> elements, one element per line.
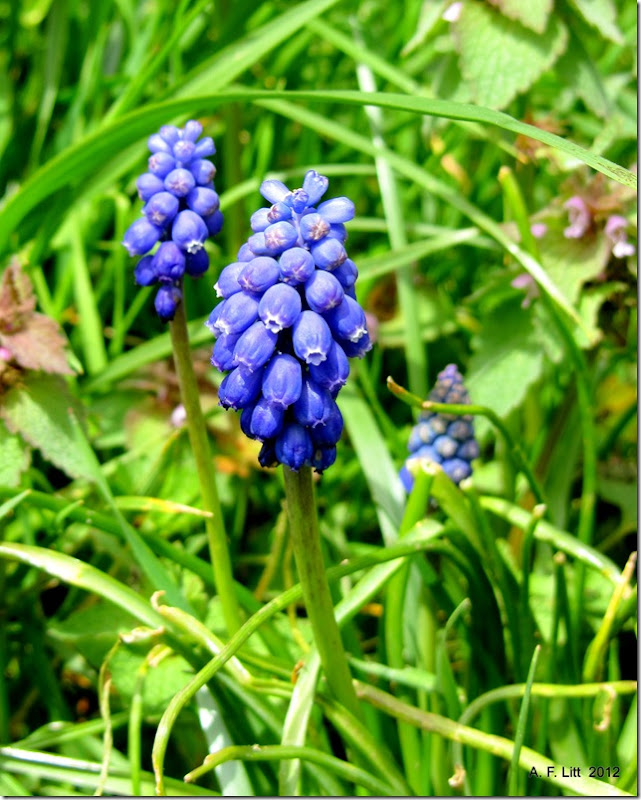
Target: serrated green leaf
<point>570,263</point>
<point>507,360</point>
<point>38,410</point>
<point>15,457</point>
<point>602,15</point>
<point>534,14</point>
<point>577,70</point>
<point>501,58</point>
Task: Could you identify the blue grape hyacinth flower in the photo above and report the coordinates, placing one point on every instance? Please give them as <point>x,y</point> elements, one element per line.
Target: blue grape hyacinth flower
<point>445,439</point>
<point>181,210</point>
<point>287,321</point>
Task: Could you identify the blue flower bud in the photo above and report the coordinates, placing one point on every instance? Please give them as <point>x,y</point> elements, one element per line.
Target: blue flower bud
<point>296,265</point>
<point>170,133</point>
<point>192,130</point>
<point>422,433</point>
<point>294,447</point>
<point>222,356</point>
<point>314,405</point>
<point>267,455</point>
<point>330,432</point>
<point>140,237</point>
<point>266,420</point>
<point>328,253</point>
<point>297,200</point>
<point>258,246</point>
<point>323,291</point>
<point>259,220</point>
<point>227,283</point>
<point>337,231</point>
<point>460,429</point>
<point>189,231</point>
<point>338,209</point>
<point>144,272</point>
<point>183,151</point>
<point>157,144</point>
<point>358,348</point>
<point>331,373</point>
<point>166,301</point>
<point>259,274</point>
<point>169,262</point>
<point>203,201</point>
<point>255,346</point>
<point>148,184</point>
<point>214,223</point>
<point>273,191</point>
<point>313,227</point>
<point>245,420</point>
<point>161,164</point>
<point>277,213</point>
<point>202,170</point>
<point>279,307</point>
<point>282,381</point>
<point>347,320</point>
<point>212,320</point>
<point>469,450</point>
<point>161,208</point>
<point>315,185</point>
<point>280,236</point>
<point>346,273</point>
<point>239,388</point>
<point>456,469</point>
<point>312,338</point>
<point>323,458</point>
<point>445,446</point>
<point>237,313</point>
<point>205,147</point>
<point>180,182</point>
<point>196,264</point>
<point>245,253</point>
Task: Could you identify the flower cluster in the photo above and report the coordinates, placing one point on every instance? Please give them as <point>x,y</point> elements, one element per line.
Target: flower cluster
<point>288,322</point>
<point>181,210</point>
<point>445,439</point>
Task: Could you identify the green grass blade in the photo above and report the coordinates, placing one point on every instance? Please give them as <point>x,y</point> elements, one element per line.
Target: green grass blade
<point>519,736</point>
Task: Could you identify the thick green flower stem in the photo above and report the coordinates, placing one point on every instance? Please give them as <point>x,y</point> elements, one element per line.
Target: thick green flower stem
<point>303,526</point>
<point>214,524</point>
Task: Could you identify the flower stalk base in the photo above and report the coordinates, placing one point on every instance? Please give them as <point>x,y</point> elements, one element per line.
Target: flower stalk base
<point>303,523</point>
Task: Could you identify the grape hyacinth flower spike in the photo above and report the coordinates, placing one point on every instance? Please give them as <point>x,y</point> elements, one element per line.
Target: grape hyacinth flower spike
<point>287,322</point>
<point>445,439</point>
<point>181,209</point>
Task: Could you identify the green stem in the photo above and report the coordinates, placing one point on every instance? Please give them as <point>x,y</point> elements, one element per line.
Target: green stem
<point>214,525</point>
<point>303,526</point>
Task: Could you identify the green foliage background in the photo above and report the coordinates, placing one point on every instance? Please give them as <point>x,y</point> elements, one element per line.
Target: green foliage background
<point>452,138</point>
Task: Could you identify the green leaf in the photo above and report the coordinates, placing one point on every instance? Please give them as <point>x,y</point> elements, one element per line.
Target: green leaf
<point>39,410</point>
<point>577,69</point>
<point>91,631</point>
<point>15,457</point>
<point>507,360</point>
<point>534,14</point>
<point>602,15</point>
<point>500,58</point>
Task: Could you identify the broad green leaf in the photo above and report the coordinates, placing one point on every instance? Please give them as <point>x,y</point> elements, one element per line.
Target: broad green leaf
<point>91,631</point>
<point>578,70</point>
<point>507,359</point>
<point>15,457</point>
<point>571,263</point>
<point>499,57</point>
<point>40,410</point>
<point>533,14</point>
<point>602,15</point>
